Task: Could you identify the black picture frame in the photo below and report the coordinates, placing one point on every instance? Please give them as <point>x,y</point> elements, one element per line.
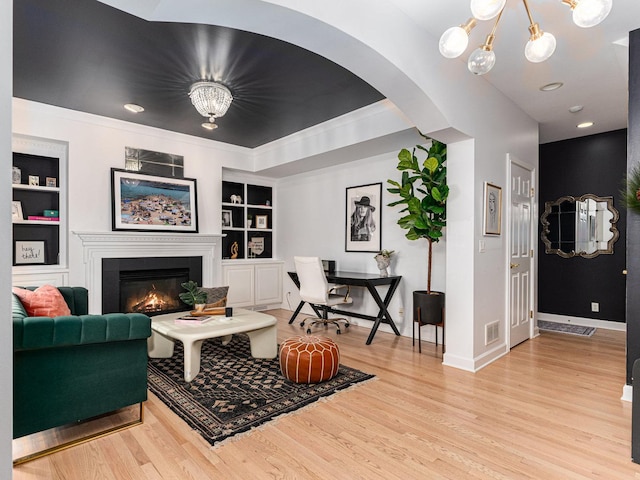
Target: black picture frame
<point>363,218</point>
<point>144,202</point>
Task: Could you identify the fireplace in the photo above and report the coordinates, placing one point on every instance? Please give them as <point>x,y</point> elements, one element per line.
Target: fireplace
<point>149,285</point>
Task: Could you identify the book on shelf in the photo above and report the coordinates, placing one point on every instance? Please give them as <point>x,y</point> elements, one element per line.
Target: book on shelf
<point>43,218</point>
<point>193,320</point>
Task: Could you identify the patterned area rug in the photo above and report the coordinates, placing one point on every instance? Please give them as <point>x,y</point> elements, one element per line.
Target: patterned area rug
<point>566,328</point>
<point>235,392</point>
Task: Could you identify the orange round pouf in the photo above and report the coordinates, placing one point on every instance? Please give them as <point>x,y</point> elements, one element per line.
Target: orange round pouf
<point>309,359</point>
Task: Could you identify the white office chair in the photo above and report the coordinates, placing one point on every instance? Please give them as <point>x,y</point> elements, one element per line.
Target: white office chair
<point>315,290</point>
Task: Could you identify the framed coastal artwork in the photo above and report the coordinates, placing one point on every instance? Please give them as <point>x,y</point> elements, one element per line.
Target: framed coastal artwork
<point>363,217</point>
<point>152,203</point>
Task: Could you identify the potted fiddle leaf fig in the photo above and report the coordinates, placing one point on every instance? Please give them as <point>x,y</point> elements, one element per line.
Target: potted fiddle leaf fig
<point>423,191</point>
<point>194,295</point>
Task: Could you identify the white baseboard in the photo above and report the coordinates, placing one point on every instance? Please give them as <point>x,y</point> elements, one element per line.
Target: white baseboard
<point>627,393</point>
<point>585,322</point>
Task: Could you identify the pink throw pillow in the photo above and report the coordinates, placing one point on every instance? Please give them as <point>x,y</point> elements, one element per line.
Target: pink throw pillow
<point>45,301</point>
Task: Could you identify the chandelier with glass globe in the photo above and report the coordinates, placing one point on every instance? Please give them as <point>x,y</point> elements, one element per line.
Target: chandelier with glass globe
<point>541,45</point>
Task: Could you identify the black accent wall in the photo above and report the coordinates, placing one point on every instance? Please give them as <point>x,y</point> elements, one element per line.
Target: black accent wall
<point>633,218</point>
<point>594,164</point>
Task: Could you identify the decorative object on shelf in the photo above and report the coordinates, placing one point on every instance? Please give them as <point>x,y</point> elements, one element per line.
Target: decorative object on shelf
<point>267,203</point>
<point>16,176</point>
<point>34,180</point>
<point>261,221</point>
<point>149,202</point>
<point>194,295</point>
<point>363,218</point>
<point>423,191</point>
<point>541,45</point>
<point>227,219</point>
<point>154,163</point>
<point>51,213</point>
<point>211,99</point>
<point>383,260</point>
<point>257,247</point>
<point>234,250</point>
<point>236,199</point>
<point>249,220</point>
<point>51,182</point>
<point>492,209</point>
<point>16,211</point>
<point>30,252</point>
<point>630,194</point>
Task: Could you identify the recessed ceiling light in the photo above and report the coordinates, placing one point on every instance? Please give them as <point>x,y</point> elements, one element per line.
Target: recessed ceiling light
<point>209,126</point>
<point>576,108</point>
<point>133,108</point>
<point>551,86</point>
<point>585,125</point>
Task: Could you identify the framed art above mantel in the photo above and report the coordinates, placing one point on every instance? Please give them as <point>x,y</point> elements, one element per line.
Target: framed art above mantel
<point>153,203</point>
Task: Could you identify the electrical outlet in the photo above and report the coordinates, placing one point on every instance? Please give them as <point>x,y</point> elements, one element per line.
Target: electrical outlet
<point>595,307</point>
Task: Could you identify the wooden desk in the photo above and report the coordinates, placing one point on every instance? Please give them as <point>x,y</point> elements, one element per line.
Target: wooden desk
<point>368,280</point>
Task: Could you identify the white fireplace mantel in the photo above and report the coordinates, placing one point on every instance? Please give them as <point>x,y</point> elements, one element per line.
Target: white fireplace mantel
<point>100,245</point>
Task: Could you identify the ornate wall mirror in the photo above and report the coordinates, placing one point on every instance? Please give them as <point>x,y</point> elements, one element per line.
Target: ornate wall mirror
<point>579,226</point>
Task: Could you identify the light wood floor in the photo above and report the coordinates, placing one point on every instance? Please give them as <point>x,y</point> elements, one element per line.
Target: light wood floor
<point>551,409</point>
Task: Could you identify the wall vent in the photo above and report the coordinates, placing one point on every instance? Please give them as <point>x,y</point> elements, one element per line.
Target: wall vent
<point>491,332</point>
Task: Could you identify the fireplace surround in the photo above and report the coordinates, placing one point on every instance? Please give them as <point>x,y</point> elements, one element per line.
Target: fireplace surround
<point>109,245</point>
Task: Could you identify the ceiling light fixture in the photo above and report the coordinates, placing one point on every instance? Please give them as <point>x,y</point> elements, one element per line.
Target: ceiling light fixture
<point>585,125</point>
<point>133,108</point>
<point>209,126</point>
<point>211,100</point>
<point>576,108</point>
<point>541,45</point>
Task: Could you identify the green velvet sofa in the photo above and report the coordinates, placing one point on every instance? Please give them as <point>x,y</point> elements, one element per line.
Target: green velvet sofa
<point>70,368</point>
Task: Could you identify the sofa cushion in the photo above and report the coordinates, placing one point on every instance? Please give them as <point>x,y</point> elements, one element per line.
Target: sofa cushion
<point>17,309</point>
<point>45,301</point>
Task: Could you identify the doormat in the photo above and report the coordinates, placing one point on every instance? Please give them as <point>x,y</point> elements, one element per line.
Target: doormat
<point>234,392</point>
<point>566,328</point>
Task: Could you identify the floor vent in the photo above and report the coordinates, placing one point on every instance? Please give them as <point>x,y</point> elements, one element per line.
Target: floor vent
<point>491,332</point>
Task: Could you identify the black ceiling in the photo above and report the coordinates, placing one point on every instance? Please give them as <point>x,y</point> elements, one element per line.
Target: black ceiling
<point>84,55</point>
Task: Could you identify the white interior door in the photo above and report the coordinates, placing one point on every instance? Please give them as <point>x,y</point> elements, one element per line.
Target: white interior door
<point>521,253</point>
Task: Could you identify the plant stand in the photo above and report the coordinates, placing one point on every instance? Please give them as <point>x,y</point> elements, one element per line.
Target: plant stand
<point>428,309</point>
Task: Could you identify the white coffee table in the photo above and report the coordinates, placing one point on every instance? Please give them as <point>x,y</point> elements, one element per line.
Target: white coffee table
<point>260,327</point>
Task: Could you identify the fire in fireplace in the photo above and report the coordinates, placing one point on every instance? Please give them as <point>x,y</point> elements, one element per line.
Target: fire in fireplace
<point>149,285</point>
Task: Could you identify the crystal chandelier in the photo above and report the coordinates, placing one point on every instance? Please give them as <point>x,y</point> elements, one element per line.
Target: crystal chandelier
<point>211,99</point>
<point>541,45</point>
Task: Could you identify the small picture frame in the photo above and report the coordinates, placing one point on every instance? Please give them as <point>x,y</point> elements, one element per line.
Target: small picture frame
<point>262,221</point>
<point>30,252</point>
<point>34,180</point>
<point>363,210</point>
<point>492,210</point>
<point>227,219</point>
<point>52,182</point>
<point>16,211</point>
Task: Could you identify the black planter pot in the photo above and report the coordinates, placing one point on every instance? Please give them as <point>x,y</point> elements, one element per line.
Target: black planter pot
<point>428,308</point>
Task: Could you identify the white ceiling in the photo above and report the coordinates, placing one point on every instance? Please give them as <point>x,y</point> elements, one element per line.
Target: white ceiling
<point>592,63</point>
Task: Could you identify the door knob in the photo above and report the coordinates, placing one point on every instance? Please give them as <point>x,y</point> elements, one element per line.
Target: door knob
<point>514,265</point>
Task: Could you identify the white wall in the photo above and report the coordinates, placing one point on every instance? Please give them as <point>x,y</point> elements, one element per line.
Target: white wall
<point>6,327</point>
<point>311,221</point>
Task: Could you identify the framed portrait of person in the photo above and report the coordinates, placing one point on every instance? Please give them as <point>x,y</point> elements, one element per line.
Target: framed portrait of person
<point>363,210</point>
<point>492,210</point>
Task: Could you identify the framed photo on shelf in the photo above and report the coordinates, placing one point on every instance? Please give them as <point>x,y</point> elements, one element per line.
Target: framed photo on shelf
<point>227,219</point>
<point>34,180</point>
<point>31,252</point>
<point>492,209</point>
<point>16,211</point>
<point>363,210</point>
<point>52,182</point>
<point>261,221</point>
<point>152,203</point>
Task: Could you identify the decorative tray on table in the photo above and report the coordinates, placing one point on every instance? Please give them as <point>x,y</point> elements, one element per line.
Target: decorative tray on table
<point>208,311</point>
